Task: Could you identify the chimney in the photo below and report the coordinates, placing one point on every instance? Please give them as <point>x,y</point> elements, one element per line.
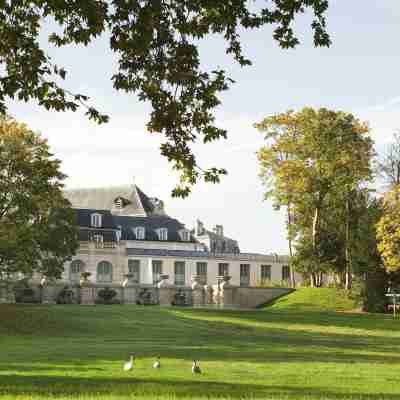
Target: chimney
<point>199,228</point>
<point>219,230</point>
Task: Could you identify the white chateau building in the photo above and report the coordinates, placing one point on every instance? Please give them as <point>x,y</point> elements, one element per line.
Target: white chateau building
<point>124,233</point>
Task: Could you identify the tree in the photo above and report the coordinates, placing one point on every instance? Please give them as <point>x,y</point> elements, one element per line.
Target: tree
<point>368,265</point>
<point>156,43</point>
<point>37,225</point>
<point>326,157</point>
<point>389,167</point>
<point>388,230</point>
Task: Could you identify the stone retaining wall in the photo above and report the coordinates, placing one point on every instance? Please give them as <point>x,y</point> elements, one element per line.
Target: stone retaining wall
<point>221,295</point>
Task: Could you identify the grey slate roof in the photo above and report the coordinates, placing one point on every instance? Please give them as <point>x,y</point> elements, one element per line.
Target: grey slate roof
<point>83,218</point>
<point>107,230</point>
<point>128,224</point>
<point>151,224</point>
<point>103,199</point>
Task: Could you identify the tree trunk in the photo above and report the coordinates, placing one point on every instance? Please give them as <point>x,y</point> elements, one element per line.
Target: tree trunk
<point>315,227</point>
<point>312,280</point>
<point>347,247</point>
<point>289,218</point>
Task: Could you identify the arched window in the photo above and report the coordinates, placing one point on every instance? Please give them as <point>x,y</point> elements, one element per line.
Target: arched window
<point>104,271</point>
<point>75,270</point>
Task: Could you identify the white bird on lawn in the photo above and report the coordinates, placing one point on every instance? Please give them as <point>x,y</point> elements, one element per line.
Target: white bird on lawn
<point>157,363</point>
<point>195,368</point>
<point>129,365</point>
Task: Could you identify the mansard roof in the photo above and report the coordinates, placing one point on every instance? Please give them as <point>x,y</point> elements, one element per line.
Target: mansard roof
<point>128,224</point>
<point>103,198</point>
<point>83,218</point>
<point>151,224</point>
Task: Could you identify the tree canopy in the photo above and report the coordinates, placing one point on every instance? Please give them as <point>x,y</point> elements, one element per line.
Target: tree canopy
<point>388,230</point>
<point>37,225</point>
<point>156,44</point>
<point>315,162</point>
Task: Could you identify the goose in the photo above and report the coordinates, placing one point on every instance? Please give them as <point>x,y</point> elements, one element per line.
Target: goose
<point>195,368</point>
<point>157,363</point>
<point>129,365</point>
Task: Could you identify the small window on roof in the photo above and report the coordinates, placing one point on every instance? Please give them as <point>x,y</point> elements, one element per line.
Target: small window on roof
<point>185,235</point>
<point>162,234</point>
<point>119,203</point>
<point>140,232</point>
<point>95,220</point>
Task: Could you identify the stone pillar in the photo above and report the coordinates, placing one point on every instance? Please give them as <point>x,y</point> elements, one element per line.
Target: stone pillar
<point>6,293</point>
<point>48,294</point>
<point>208,295</point>
<point>227,292</point>
<point>87,294</point>
<point>197,292</point>
<point>165,291</point>
<point>129,291</point>
<point>48,291</point>
<point>147,273</point>
<point>217,292</point>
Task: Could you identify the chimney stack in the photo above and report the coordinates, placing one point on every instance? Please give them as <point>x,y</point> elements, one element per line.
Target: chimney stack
<point>199,228</point>
<point>219,230</point>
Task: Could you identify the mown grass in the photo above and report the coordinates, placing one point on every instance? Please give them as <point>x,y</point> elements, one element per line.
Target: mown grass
<point>281,352</point>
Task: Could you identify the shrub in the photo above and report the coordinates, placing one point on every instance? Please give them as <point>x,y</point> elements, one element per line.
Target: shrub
<point>106,296</point>
<point>66,296</point>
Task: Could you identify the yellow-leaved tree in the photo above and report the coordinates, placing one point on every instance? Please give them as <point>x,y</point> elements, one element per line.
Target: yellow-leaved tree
<point>388,230</point>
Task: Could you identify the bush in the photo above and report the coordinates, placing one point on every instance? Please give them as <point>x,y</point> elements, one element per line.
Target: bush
<point>66,296</point>
<point>23,293</point>
<point>106,296</point>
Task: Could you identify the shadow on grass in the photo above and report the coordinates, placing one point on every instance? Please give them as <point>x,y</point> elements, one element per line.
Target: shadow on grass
<point>48,386</point>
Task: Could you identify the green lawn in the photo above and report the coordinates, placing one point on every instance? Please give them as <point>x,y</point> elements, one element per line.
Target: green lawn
<point>291,350</point>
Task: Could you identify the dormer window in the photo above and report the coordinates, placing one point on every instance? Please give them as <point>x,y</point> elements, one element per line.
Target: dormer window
<point>140,233</point>
<point>119,203</point>
<point>162,234</point>
<point>96,220</point>
<point>185,235</point>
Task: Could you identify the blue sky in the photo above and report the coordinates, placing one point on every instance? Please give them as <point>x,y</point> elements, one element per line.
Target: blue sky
<point>359,73</point>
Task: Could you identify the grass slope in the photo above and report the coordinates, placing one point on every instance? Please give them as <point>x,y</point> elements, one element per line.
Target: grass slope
<point>283,352</point>
<point>316,299</point>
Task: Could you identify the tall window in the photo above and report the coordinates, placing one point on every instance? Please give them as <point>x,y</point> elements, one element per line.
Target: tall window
<point>104,272</point>
<point>163,234</point>
<point>244,274</point>
<point>75,270</point>
<point>223,269</point>
<point>179,273</point>
<point>285,272</point>
<point>134,270</point>
<point>157,270</point>
<point>140,232</point>
<point>96,220</point>
<point>265,273</point>
<point>201,271</point>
